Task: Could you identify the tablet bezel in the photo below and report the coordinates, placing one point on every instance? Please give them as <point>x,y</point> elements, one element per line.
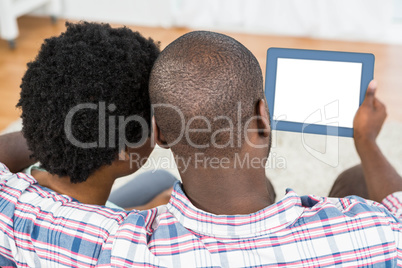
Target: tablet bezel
<point>273,54</point>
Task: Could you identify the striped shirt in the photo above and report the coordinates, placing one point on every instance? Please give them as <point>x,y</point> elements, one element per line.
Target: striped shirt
<point>40,228</point>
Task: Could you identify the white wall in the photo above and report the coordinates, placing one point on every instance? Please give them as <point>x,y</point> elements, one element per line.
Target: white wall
<point>366,20</point>
<point>136,12</point>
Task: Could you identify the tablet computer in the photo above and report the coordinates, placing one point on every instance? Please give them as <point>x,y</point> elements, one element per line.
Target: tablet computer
<point>313,91</point>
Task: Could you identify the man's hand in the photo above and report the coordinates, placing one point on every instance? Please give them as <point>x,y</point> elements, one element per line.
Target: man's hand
<point>381,178</point>
<point>369,118</point>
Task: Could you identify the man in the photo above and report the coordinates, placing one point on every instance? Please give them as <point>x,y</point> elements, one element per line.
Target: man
<point>220,215</point>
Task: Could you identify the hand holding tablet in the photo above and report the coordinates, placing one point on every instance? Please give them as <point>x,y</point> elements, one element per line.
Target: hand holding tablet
<point>314,91</point>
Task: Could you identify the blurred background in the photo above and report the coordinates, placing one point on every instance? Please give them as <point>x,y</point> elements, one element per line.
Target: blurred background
<point>372,26</point>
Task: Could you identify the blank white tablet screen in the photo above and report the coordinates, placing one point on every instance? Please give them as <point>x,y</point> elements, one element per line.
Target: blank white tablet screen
<point>305,88</point>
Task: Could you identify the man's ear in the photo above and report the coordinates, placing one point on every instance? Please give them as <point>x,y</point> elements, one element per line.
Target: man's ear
<point>158,136</point>
<point>263,118</point>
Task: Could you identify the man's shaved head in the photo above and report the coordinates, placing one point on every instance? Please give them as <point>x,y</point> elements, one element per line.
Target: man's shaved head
<point>214,83</point>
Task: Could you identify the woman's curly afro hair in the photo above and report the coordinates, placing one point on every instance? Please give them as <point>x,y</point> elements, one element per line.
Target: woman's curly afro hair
<point>89,63</point>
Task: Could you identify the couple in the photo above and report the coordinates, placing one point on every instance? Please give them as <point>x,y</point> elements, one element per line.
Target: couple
<point>217,217</point>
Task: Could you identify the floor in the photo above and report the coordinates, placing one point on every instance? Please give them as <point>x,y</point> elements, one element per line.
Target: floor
<point>33,30</point>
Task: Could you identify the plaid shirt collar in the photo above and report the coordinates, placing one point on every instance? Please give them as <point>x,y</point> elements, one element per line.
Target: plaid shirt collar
<point>270,219</point>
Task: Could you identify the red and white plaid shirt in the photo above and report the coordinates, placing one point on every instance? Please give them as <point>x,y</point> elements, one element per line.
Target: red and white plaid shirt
<point>40,228</point>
